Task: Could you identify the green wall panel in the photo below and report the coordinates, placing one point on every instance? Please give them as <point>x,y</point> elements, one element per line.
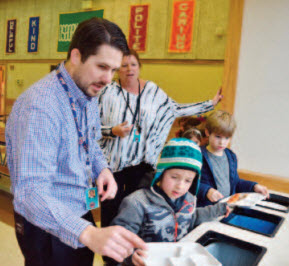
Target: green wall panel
<point>212,28</point>
<point>28,73</point>
<point>2,27</point>
<point>183,82</point>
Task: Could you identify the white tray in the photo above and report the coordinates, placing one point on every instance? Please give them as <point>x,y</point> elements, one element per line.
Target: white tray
<point>179,254</point>
<point>245,199</point>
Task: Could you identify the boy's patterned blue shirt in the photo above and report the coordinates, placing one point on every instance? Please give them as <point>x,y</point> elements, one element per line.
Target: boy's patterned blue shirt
<point>46,163</point>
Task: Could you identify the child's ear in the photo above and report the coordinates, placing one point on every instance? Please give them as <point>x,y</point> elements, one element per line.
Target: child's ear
<point>207,132</point>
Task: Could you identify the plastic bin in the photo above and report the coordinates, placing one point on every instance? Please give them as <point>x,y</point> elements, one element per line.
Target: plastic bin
<point>276,202</point>
<point>255,221</point>
<point>231,251</point>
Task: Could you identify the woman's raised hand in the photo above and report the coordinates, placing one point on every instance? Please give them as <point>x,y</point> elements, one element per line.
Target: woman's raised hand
<point>218,97</point>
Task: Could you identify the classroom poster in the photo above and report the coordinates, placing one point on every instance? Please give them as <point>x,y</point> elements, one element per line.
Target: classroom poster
<point>68,23</point>
<point>11,36</point>
<point>182,26</point>
<point>138,27</point>
<point>33,34</point>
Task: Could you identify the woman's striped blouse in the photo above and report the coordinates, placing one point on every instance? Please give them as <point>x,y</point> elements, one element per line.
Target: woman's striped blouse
<point>157,114</point>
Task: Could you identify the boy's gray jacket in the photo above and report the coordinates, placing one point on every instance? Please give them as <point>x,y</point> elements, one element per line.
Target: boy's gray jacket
<point>146,213</point>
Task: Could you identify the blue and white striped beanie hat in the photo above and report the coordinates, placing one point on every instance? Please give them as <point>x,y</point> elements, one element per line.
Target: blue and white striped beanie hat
<point>180,153</point>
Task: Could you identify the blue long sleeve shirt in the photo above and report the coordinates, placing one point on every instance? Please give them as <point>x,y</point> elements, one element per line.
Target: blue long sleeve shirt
<point>208,179</point>
<point>46,161</point>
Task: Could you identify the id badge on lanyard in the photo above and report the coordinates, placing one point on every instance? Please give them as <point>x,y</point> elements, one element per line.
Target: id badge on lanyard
<point>136,135</point>
<point>91,193</point>
<point>91,198</point>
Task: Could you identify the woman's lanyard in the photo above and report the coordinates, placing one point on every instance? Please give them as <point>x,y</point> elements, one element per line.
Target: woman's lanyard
<point>137,109</point>
<point>81,140</point>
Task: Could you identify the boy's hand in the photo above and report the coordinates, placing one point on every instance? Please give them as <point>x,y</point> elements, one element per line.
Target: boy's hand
<point>262,190</point>
<point>137,257</point>
<point>228,211</point>
<point>214,195</point>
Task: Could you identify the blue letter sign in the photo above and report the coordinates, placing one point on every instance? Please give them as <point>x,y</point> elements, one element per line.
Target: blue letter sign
<point>33,34</point>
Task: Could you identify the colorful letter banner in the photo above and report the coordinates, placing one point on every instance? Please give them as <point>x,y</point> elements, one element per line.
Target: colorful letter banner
<point>11,36</point>
<point>182,26</point>
<point>68,24</point>
<point>33,35</point>
<point>138,27</point>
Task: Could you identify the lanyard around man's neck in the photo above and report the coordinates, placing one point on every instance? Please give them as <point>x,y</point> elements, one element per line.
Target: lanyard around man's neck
<point>81,140</point>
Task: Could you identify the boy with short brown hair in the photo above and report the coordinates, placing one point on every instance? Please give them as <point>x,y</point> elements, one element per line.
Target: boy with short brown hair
<point>219,172</point>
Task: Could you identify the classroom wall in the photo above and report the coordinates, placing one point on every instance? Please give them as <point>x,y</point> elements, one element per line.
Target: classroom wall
<point>210,24</point>
<point>197,81</point>
<point>22,75</point>
<point>261,109</point>
<point>185,83</point>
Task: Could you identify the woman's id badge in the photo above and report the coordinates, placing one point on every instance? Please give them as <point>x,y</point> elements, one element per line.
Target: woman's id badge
<point>136,135</point>
<point>91,195</point>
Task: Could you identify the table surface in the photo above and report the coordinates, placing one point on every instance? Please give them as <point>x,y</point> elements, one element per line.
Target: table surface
<point>277,247</point>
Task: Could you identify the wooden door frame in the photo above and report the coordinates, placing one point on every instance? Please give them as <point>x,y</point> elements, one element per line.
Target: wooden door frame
<point>3,90</point>
<point>231,61</point>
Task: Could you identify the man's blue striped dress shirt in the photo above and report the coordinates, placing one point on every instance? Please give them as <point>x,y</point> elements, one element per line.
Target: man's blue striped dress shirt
<point>46,163</point>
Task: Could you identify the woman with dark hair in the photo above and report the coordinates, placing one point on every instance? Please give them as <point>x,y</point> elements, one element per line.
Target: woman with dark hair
<point>136,117</point>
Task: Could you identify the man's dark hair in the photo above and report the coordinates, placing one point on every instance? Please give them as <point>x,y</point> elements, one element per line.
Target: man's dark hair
<point>91,34</point>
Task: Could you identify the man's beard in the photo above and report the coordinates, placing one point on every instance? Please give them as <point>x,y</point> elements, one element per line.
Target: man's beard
<point>84,89</point>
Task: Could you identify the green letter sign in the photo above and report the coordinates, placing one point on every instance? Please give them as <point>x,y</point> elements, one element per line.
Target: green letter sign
<point>68,23</point>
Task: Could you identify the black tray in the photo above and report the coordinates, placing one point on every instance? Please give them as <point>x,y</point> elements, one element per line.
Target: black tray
<point>231,251</point>
<point>254,221</point>
<point>284,201</point>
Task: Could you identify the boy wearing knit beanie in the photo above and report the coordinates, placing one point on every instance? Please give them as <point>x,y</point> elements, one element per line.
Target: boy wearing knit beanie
<point>166,211</point>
